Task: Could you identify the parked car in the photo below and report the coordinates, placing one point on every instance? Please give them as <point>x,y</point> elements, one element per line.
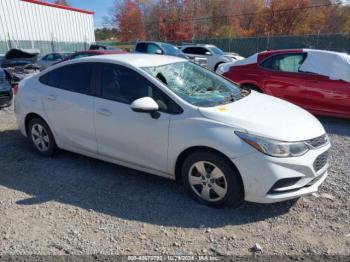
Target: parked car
<point>2,57</point>
<point>160,48</point>
<point>213,55</point>
<point>5,90</point>
<point>104,47</point>
<point>316,80</point>
<point>170,117</point>
<point>52,58</point>
<point>88,53</point>
<point>20,63</point>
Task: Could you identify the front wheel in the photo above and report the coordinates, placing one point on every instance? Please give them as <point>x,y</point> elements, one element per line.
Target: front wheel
<point>212,180</point>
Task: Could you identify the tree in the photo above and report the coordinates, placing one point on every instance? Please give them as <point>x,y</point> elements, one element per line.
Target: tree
<point>106,34</point>
<point>285,17</point>
<point>62,2</point>
<point>129,21</point>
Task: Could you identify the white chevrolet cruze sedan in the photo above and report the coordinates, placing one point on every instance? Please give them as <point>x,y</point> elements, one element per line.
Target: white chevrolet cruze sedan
<point>172,118</point>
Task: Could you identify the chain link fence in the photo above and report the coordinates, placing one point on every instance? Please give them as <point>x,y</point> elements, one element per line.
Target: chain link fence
<point>242,46</point>
<point>45,47</point>
<point>252,45</point>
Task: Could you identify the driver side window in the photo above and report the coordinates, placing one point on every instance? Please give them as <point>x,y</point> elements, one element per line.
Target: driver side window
<point>124,85</point>
<point>153,49</point>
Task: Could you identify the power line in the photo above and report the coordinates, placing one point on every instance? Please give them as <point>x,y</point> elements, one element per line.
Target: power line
<point>244,14</point>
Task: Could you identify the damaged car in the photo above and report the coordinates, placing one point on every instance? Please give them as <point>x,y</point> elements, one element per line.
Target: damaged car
<point>213,55</point>
<point>170,117</point>
<point>20,63</point>
<point>316,80</point>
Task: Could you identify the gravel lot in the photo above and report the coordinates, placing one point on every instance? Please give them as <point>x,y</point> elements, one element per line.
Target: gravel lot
<point>73,204</point>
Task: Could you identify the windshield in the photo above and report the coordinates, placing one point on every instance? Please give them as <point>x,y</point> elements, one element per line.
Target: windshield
<point>216,50</point>
<point>170,49</point>
<point>195,84</point>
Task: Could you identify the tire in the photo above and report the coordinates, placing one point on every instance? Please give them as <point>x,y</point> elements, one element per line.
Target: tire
<point>252,87</point>
<point>217,65</point>
<point>41,137</point>
<point>219,188</point>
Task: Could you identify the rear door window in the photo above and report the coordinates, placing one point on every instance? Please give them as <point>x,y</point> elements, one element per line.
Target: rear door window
<point>141,47</point>
<point>76,78</point>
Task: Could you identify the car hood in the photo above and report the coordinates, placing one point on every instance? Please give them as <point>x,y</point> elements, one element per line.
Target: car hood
<point>29,56</point>
<point>267,116</point>
<point>234,55</point>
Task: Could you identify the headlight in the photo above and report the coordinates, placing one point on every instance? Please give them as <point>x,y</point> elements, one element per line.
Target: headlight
<point>274,148</point>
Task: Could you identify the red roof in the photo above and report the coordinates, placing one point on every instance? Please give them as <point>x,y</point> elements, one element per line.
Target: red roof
<point>59,6</point>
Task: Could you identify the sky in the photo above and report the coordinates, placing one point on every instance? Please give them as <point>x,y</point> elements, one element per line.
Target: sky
<point>100,7</point>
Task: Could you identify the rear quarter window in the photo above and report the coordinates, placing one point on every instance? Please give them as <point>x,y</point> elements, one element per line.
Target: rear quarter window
<point>141,47</point>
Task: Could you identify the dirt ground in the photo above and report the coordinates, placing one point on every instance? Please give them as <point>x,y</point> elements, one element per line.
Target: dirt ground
<point>71,204</point>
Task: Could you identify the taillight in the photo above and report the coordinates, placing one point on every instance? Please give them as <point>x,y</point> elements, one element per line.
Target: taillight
<point>15,89</point>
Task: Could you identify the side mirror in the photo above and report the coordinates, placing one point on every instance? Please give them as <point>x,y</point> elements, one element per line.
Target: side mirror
<point>159,52</point>
<point>146,105</point>
<point>207,53</point>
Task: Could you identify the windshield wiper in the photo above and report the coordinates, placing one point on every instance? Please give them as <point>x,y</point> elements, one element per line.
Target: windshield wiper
<point>232,98</point>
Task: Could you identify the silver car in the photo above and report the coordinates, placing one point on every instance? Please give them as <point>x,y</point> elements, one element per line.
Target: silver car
<point>214,56</point>
<point>52,58</point>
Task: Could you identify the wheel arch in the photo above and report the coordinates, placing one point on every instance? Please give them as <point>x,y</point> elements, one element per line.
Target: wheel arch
<point>216,66</point>
<point>181,158</point>
<point>29,117</point>
<point>252,84</point>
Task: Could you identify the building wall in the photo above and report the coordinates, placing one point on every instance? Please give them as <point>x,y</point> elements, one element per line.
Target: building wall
<point>23,20</point>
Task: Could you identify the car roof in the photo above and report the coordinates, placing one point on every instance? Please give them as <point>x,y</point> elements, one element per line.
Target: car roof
<point>105,51</point>
<point>138,60</point>
<point>197,45</point>
<point>267,53</point>
<point>151,42</point>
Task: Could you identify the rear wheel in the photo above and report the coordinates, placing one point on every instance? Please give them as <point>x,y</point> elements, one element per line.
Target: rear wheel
<point>41,137</point>
<point>211,180</point>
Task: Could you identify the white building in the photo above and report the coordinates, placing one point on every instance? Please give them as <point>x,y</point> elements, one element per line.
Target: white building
<point>30,22</point>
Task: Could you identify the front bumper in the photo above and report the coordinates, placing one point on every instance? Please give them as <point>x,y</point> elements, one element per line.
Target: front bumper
<point>260,173</point>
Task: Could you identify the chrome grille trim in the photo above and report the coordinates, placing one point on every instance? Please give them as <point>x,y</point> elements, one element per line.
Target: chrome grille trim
<point>317,142</point>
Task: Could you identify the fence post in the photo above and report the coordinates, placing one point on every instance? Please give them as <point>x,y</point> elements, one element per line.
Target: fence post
<point>268,41</point>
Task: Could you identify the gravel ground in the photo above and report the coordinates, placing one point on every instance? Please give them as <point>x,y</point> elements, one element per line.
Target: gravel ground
<point>73,204</point>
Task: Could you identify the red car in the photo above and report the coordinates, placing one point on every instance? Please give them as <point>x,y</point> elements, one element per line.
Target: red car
<point>316,80</point>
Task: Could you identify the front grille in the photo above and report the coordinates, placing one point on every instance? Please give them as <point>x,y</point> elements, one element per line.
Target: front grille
<point>321,161</point>
<point>318,141</point>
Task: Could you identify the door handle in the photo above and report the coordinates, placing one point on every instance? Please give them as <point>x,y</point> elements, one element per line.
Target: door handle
<point>104,112</point>
<point>51,97</point>
<point>314,81</point>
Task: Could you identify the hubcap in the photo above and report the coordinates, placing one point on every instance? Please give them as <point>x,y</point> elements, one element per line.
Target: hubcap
<point>40,137</point>
<point>207,181</point>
